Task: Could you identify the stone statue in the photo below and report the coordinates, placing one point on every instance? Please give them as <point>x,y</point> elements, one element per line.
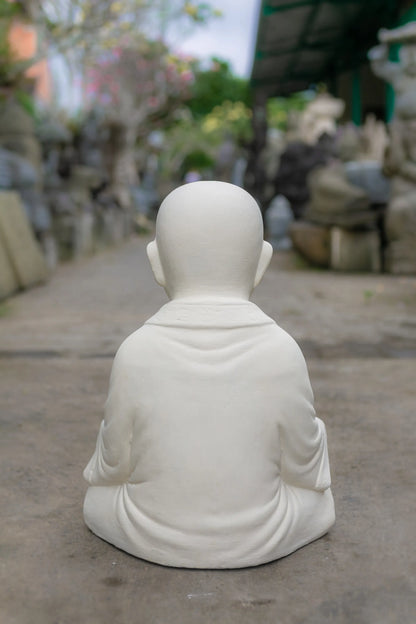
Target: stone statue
<point>296,163</point>
<point>401,75</point>
<point>366,143</point>
<point>374,139</point>
<point>210,454</point>
<point>319,117</point>
<point>400,159</point>
<point>400,220</point>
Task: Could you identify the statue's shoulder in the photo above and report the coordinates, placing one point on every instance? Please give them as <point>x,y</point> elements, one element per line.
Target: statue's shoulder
<point>135,346</point>
<point>284,349</point>
<point>282,338</point>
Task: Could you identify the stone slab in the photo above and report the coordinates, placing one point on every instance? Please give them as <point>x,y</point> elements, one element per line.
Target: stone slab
<point>400,257</point>
<point>19,242</point>
<point>312,241</point>
<point>8,279</point>
<point>355,251</point>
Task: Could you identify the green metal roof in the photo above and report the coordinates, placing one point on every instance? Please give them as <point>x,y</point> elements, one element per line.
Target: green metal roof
<point>303,42</point>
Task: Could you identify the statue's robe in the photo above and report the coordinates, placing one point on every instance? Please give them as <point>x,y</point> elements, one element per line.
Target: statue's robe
<point>210,454</point>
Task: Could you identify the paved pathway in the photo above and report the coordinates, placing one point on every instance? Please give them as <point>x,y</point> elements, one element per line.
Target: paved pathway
<point>56,347</point>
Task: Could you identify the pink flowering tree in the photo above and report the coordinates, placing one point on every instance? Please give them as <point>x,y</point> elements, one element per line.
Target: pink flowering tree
<point>139,85</point>
<point>81,30</point>
<point>140,88</point>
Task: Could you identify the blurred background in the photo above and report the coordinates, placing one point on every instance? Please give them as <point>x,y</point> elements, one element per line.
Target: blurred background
<point>106,106</point>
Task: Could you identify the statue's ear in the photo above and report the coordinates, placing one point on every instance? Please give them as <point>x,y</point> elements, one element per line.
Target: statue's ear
<point>154,259</point>
<point>264,261</point>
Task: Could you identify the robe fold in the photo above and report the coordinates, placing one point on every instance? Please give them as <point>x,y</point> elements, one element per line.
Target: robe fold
<point>210,454</point>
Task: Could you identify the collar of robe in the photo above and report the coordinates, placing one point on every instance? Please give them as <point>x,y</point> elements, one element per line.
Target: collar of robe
<point>219,315</point>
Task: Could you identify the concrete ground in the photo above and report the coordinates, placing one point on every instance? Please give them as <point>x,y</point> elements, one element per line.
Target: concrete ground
<point>358,334</point>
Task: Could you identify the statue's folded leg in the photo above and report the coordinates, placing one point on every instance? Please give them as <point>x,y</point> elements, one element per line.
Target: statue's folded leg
<point>312,516</point>
<point>101,513</point>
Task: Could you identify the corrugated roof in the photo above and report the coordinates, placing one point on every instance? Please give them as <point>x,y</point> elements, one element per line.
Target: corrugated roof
<point>303,42</point>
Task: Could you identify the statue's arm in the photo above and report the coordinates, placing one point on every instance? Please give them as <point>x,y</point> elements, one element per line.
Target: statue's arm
<point>304,451</point>
<point>381,66</point>
<point>408,171</point>
<point>110,463</point>
<point>396,161</point>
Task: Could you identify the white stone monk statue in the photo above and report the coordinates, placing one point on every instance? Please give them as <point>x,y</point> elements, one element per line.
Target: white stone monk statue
<point>210,454</point>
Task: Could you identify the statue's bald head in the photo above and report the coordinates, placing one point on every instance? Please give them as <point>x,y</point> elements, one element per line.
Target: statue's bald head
<point>209,240</point>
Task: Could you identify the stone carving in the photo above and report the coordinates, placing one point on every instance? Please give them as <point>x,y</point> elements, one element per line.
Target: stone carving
<point>90,141</point>
<point>401,75</point>
<point>374,139</point>
<point>365,144</point>
<point>349,143</point>
<point>17,133</point>
<point>310,144</point>
<point>57,151</point>
<point>400,160</point>
<point>296,163</point>
<point>270,162</point>
<point>278,218</point>
<point>319,118</point>
<point>18,174</point>
<point>335,201</point>
<point>22,171</point>
<point>23,264</point>
<point>312,241</point>
<point>210,454</point>
<point>368,175</point>
<point>345,234</point>
<point>400,221</point>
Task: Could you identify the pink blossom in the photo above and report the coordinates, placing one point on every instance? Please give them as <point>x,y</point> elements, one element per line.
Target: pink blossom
<point>187,76</point>
<point>153,102</point>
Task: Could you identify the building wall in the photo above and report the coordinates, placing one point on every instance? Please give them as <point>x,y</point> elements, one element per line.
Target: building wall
<point>23,42</point>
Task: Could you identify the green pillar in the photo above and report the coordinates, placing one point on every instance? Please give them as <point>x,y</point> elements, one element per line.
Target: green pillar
<point>356,97</point>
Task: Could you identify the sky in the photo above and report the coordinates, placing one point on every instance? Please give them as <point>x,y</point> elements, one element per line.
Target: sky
<point>231,37</point>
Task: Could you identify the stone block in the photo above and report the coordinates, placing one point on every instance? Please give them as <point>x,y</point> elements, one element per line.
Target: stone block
<point>8,278</point>
<point>312,242</point>
<point>25,146</point>
<point>355,251</point>
<point>400,220</point>
<point>400,257</point>
<point>112,231</point>
<point>14,119</point>
<point>84,241</point>
<point>19,242</point>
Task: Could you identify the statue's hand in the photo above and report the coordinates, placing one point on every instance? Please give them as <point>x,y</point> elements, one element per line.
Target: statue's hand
<point>378,53</point>
<point>383,35</point>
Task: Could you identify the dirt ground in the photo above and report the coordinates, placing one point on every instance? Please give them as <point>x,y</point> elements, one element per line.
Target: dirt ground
<point>358,333</point>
